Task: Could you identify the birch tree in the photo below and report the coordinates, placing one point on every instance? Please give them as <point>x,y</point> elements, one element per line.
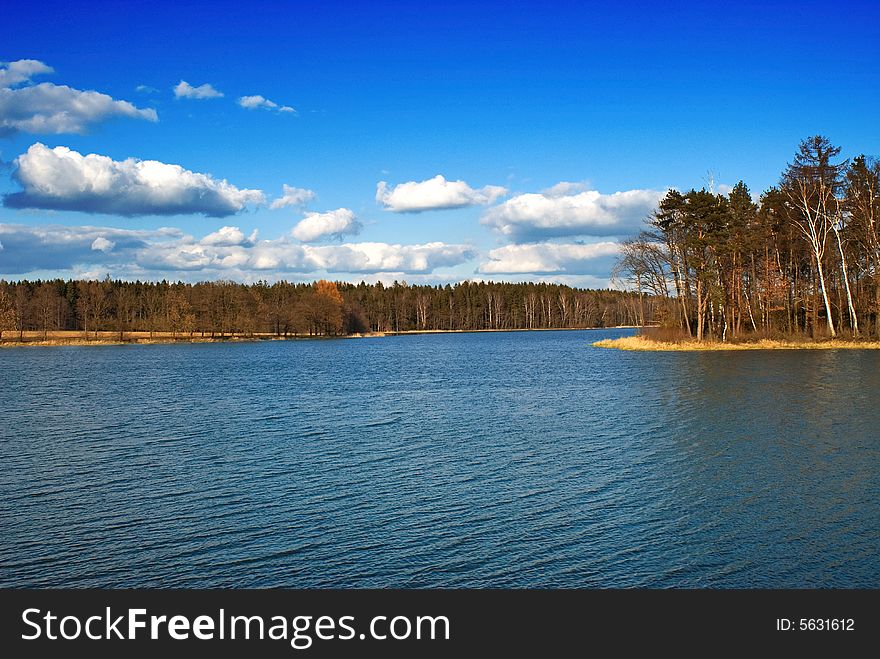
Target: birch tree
<point>810,181</point>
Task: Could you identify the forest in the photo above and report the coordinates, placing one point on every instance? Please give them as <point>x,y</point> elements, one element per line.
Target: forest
<point>801,260</point>
<point>225,308</point>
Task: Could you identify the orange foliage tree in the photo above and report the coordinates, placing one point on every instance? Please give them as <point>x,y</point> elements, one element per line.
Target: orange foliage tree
<point>324,308</point>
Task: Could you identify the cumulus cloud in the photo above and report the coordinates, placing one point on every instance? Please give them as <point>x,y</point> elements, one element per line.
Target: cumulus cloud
<point>555,212</point>
<point>332,224</point>
<point>14,73</point>
<point>185,90</point>
<point>565,188</point>
<point>225,252</point>
<point>257,101</point>
<point>281,255</point>
<point>434,194</point>
<point>228,236</point>
<point>53,109</point>
<point>101,244</point>
<point>552,258</point>
<point>62,179</point>
<point>292,197</point>
<point>56,247</point>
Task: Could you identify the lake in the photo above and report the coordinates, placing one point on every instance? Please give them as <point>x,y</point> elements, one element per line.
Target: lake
<point>520,459</point>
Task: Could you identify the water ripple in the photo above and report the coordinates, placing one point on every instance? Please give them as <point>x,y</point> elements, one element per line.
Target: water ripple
<point>482,460</point>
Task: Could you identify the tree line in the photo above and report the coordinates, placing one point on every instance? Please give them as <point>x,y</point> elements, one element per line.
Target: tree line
<point>803,260</point>
<point>323,308</point>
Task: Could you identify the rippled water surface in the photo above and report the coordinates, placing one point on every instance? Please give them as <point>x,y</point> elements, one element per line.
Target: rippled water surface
<point>497,460</point>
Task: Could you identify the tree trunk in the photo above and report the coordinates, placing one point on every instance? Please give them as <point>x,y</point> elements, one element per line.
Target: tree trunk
<point>825,297</point>
<point>853,318</point>
<point>699,310</point>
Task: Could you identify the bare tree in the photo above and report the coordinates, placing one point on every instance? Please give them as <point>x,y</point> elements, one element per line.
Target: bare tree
<point>180,318</point>
<point>93,302</point>
<point>862,207</point>
<point>125,304</point>
<point>8,313</point>
<point>422,311</point>
<point>810,182</point>
<point>45,304</point>
<point>644,264</point>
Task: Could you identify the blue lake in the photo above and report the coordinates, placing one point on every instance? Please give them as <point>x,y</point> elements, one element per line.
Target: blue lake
<point>521,459</point>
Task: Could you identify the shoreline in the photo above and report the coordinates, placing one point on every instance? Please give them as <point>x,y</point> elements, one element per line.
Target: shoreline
<point>640,344</point>
<point>76,338</point>
<point>34,339</point>
<point>512,329</point>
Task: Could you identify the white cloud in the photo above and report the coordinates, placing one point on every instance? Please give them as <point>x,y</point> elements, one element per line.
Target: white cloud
<point>292,197</point>
<point>332,224</point>
<point>253,102</point>
<point>146,89</point>
<point>53,109</point>
<point>101,244</point>
<point>537,216</point>
<point>223,253</point>
<point>434,194</point>
<point>565,188</point>
<point>551,258</point>
<point>62,179</point>
<point>257,101</point>
<point>185,90</point>
<point>60,248</point>
<point>14,73</point>
<point>228,236</point>
<point>281,255</point>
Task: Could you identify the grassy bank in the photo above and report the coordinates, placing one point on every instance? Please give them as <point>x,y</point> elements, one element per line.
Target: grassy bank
<point>506,329</point>
<point>78,338</point>
<point>640,343</point>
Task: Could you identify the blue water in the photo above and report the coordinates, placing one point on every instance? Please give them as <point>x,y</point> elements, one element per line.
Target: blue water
<point>478,460</point>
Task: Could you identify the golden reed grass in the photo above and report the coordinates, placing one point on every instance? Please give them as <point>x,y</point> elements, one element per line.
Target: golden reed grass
<point>642,344</point>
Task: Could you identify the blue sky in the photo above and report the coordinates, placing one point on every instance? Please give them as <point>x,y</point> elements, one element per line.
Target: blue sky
<point>613,97</point>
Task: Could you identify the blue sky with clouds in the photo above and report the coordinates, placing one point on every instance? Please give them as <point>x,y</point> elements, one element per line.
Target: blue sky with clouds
<point>516,140</point>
